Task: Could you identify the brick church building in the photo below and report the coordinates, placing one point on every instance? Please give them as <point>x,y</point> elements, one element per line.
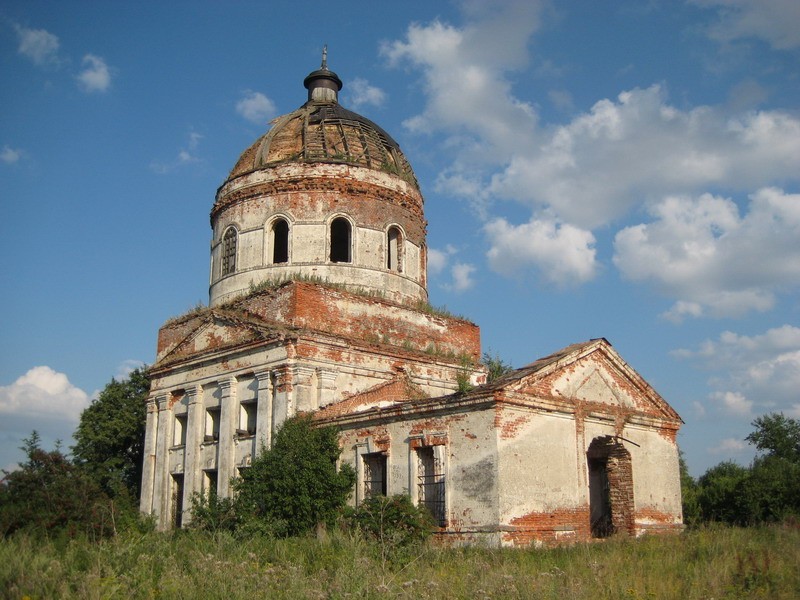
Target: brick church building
<point>319,304</point>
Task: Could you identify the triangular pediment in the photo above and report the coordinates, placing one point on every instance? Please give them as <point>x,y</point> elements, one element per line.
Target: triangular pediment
<point>591,373</point>
<point>212,332</point>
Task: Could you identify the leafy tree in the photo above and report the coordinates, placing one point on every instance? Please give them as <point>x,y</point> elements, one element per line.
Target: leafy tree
<point>295,485</point>
<point>49,494</point>
<point>110,436</point>
<point>689,494</point>
<point>720,493</point>
<point>495,366</point>
<point>777,435</point>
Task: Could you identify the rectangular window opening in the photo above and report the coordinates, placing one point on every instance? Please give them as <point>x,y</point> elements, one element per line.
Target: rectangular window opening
<point>247,419</point>
<point>212,424</point>
<point>431,483</point>
<point>374,474</point>
<point>179,438</point>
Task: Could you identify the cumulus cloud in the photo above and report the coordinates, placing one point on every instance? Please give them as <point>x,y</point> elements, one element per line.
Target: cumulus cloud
<point>714,260</point>
<point>256,107</point>
<point>596,168</point>
<point>186,155</point>
<point>39,45</point>
<point>96,75</point>
<point>468,95</point>
<point>729,446</point>
<point>752,374</point>
<point>563,253</point>
<point>774,21</point>
<point>635,150</point>
<point>461,273</point>
<point>43,392</point>
<point>10,155</point>
<point>361,93</point>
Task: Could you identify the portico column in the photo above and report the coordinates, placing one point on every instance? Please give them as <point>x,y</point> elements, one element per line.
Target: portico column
<point>229,413</point>
<point>149,457</point>
<point>195,419</point>
<point>161,494</point>
<point>263,411</point>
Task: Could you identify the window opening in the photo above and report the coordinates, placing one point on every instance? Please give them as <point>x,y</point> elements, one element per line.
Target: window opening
<point>374,474</point>
<point>212,424</point>
<point>247,418</point>
<point>229,252</point>
<point>394,249</point>
<point>177,500</point>
<point>210,482</point>
<point>179,439</point>
<point>430,475</point>
<point>341,240</point>
<point>280,241</point>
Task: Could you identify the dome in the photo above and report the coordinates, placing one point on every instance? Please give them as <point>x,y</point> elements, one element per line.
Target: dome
<point>325,195</point>
<point>323,131</point>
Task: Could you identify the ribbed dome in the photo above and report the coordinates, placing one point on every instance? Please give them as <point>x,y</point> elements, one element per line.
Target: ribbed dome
<point>326,132</point>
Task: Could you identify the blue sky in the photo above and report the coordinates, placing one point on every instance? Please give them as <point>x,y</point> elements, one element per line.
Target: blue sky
<point>625,169</point>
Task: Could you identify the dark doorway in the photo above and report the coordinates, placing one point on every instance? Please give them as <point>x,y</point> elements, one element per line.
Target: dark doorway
<point>611,505</point>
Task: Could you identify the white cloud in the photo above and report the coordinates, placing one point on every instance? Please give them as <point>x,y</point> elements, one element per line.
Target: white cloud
<point>362,93</point>
<point>774,21</point>
<point>39,45</point>
<point>126,367</point>
<point>752,374</point>
<point>564,254</point>
<point>596,168</point>
<point>733,403</point>
<point>468,95</point>
<point>10,155</point>
<point>185,156</point>
<point>462,276</point>
<point>43,392</point>
<point>716,262</point>
<point>729,446</point>
<point>437,261</point>
<point>256,107</point>
<point>96,75</point>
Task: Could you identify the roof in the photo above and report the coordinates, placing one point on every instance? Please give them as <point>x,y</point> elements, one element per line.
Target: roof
<point>322,130</point>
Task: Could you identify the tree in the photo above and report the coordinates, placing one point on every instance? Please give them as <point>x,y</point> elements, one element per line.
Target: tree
<point>49,494</point>
<point>720,494</point>
<point>295,485</point>
<point>110,435</point>
<point>777,436</point>
<point>689,493</point>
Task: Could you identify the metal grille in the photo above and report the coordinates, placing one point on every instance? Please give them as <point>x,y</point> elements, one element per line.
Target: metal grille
<point>229,252</point>
<point>374,475</point>
<point>431,488</point>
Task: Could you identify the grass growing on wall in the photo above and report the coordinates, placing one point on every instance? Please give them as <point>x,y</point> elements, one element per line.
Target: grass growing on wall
<point>705,563</point>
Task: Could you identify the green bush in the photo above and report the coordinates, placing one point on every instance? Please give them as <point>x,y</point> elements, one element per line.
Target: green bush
<point>391,520</point>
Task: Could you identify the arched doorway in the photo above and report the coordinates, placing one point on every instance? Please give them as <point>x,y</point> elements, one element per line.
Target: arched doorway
<point>610,487</point>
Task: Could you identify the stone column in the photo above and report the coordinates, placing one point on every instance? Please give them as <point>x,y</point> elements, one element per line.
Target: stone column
<point>305,394</point>
<point>192,470</point>
<point>263,411</point>
<point>161,496</point>
<point>149,457</point>
<point>327,387</point>
<point>226,451</point>
<point>282,395</point>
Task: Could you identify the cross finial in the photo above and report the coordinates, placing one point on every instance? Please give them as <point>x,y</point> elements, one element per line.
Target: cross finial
<point>325,57</point>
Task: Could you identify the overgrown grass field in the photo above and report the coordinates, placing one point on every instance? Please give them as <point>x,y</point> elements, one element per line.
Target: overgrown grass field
<point>706,563</point>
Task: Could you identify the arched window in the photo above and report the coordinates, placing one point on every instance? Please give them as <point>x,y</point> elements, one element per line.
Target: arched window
<point>341,235</point>
<point>394,249</point>
<point>229,251</point>
<point>280,241</point>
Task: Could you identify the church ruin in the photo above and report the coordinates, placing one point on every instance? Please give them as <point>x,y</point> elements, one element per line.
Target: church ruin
<point>319,304</point>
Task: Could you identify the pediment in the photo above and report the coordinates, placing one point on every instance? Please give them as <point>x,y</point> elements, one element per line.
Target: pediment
<point>213,332</point>
<point>591,374</point>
